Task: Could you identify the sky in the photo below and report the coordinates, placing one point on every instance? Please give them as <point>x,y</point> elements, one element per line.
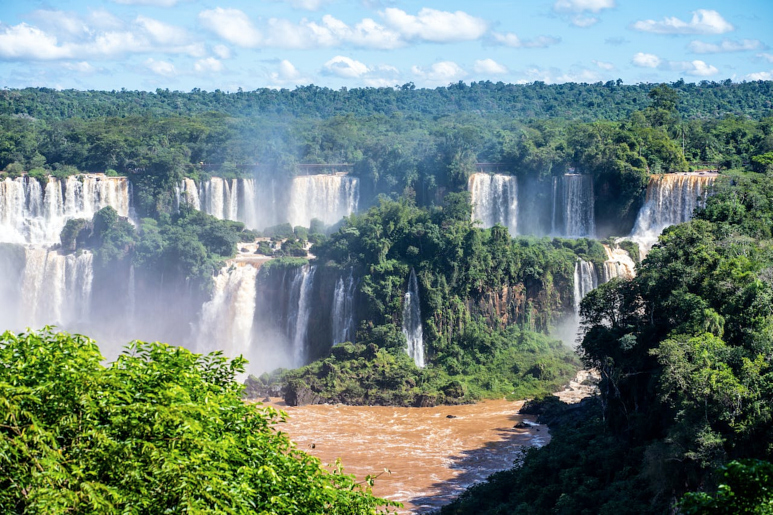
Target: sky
<point>251,44</point>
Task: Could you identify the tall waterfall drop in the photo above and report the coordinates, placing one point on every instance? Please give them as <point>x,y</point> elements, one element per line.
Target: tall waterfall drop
<point>671,199</point>
<point>343,309</point>
<point>56,289</point>
<point>300,304</point>
<point>618,264</point>
<point>33,214</point>
<point>325,197</point>
<point>412,321</point>
<point>494,200</point>
<point>573,206</point>
<point>585,280</point>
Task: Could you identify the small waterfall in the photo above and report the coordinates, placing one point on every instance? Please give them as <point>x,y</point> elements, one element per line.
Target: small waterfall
<point>343,309</point>
<point>298,325</point>
<point>227,319</point>
<point>494,200</point>
<point>618,264</point>
<point>326,197</point>
<point>30,213</point>
<point>188,193</point>
<point>573,200</point>
<point>56,289</point>
<point>412,321</point>
<point>671,199</point>
<point>585,280</point>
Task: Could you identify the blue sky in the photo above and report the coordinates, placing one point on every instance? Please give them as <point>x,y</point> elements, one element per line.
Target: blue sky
<point>232,44</point>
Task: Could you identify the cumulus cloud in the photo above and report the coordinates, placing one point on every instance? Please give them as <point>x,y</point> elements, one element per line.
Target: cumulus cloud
<point>345,67</point>
<point>232,25</point>
<point>222,51</point>
<point>433,25</point>
<point>700,47</point>
<point>704,21</point>
<point>489,67</point>
<point>80,67</point>
<point>604,65</point>
<point>24,41</point>
<point>513,41</point>
<point>584,21</point>
<point>208,65</point>
<point>287,75</point>
<point>556,76</point>
<point>163,68</point>
<point>444,71</point>
<point>163,32</point>
<point>578,6</point>
<point>760,76</point>
<point>330,32</point>
<point>695,68</point>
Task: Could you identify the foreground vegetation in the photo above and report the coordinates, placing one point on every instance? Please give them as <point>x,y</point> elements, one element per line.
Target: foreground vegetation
<point>684,352</point>
<point>161,430</point>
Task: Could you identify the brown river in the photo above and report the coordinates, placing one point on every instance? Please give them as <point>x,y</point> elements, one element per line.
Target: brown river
<point>431,458</point>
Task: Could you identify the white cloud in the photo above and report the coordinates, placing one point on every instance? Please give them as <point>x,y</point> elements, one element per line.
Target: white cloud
<point>163,32</point>
<point>222,51</point>
<point>704,21</point>
<point>208,65</point>
<point>577,6</point>
<point>489,66</point>
<point>80,67</point>
<point>556,76</point>
<point>60,23</point>
<point>163,68</point>
<point>760,76</point>
<point>767,57</point>
<point>643,60</point>
<point>156,3</point>
<point>232,25</point>
<point>444,71</point>
<point>513,41</point>
<point>695,68</point>
<point>604,65</point>
<point>27,42</point>
<point>345,67</point>
<point>700,47</point>
<point>287,75</point>
<point>584,21</point>
<point>436,26</point>
<point>382,76</point>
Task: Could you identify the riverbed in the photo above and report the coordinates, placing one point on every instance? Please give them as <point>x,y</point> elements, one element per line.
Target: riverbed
<point>432,454</point>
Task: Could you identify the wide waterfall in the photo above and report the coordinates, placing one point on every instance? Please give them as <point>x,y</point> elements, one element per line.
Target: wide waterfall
<point>220,198</point>
<point>494,200</point>
<point>55,288</point>
<point>585,280</point>
<point>227,319</point>
<point>618,264</point>
<point>671,199</point>
<point>342,313</point>
<point>34,214</point>
<point>573,206</point>
<point>325,197</point>
<point>412,321</point>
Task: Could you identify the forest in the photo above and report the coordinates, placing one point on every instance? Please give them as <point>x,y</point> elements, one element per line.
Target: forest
<point>682,421</point>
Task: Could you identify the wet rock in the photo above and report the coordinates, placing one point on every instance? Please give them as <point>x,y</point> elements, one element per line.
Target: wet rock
<point>425,401</point>
<point>451,416</point>
<point>521,425</point>
<point>299,394</point>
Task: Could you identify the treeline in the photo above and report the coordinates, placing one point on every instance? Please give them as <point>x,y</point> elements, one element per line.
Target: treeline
<point>686,392</point>
<point>611,100</point>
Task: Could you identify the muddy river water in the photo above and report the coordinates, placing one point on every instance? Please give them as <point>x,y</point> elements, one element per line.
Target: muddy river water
<point>432,454</point>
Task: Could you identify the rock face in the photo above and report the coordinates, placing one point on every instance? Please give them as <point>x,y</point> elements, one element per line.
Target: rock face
<point>299,394</point>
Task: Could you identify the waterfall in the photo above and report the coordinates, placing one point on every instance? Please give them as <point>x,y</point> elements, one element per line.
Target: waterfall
<point>343,309</point>
<point>188,193</point>
<point>227,319</point>
<point>494,200</point>
<point>671,199</point>
<point>412,321</point>
<point>325,197</point>
<point>585,280</point>
<point>300,309</point>
<point>56,289</point>
<point>618,264</point>
<point>573,200</point>
<point>30,213</point>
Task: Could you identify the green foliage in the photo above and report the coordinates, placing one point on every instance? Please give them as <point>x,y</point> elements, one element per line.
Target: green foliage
<point>746,487</point>
<point>161,430</point>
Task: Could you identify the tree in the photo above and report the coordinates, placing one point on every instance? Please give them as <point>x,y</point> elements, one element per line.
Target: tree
<point>160,430</point>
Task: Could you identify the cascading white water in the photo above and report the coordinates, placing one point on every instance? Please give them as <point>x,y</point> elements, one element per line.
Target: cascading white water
<point>343,309</point>
<point>577,205</point>
<point>412,321</point>
<point>302,286</point>
<point>671,199</point>
<point>35,215</point>
<point>618,264</point>
<point>494,200</point>
<point>188,193</point>
<point>585,280</point>
<point>56,289</point>
<point>227,319</point>
<point>325,197</point>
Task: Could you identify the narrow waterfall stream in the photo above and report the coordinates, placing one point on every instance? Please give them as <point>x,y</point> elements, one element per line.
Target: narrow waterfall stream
<point>412,321</point>
<point>342,313</point>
